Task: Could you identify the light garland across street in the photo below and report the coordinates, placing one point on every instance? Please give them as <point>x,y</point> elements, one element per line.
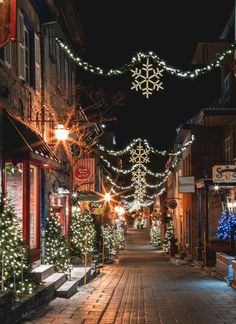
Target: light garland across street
<point>139,58</point>
<point>129,147</point>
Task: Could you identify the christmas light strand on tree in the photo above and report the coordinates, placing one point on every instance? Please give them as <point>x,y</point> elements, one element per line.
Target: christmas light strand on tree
<point>82,234</point>
<point>155,237</point>
<point>57,252</point>
<point>140,57</point>
<point>227,223</point>
<point>168,236</point>
<point>15,265</point>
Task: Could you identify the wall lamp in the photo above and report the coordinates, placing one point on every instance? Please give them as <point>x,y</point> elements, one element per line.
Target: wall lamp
<point>61,132</point>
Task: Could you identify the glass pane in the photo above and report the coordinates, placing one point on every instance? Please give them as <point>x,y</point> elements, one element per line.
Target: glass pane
<point>33,207</point>
<point>14,188</point>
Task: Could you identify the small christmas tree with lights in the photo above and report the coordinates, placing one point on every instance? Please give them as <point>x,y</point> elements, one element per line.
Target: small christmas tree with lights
<point>57,252</point>
<point>119,235</point>
<point>15,265</point>
<point>155,237</point>
<point>168,236</point>
<point>82,234</point>
<point>226,223</point>
<point>113,240</point>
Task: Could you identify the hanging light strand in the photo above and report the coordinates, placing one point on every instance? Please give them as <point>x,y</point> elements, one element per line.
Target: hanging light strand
<point>139,57</point>
<point>129,147</point>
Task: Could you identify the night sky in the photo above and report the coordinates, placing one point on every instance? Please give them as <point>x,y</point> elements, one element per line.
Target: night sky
<point>116,30</point>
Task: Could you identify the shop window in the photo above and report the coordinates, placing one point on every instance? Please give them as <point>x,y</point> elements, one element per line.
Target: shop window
<point>187,220</point>
<point>228,149</point>
<point>33,206</point>
<point>14,188</point>
<point>226,88</point>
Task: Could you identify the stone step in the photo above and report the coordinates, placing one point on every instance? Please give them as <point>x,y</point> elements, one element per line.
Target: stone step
<point>78,273</point>
<point>56,279</point>
<point>68,289</point>
<point>43,271</point>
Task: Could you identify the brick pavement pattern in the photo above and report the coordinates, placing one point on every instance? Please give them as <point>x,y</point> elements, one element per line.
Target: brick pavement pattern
<point>144,286</point>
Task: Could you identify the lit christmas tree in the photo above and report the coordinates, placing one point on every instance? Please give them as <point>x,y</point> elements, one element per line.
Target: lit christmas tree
<point>168,236</point>
<point>155,238</point>
<point>114,240</point>
<point>15,265</point>
<point>57,252</point>
<point>226,223</point>
<point>119,235</point>
<point>82,234</point>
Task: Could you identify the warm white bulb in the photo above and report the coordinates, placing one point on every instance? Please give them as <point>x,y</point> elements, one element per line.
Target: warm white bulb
<point>61,132</point>
<point>107,196</point>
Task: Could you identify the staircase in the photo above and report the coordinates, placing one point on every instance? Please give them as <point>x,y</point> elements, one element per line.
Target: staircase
<point>64,287</point>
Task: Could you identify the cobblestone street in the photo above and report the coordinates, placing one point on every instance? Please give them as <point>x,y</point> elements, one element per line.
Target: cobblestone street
<point>144,287</point>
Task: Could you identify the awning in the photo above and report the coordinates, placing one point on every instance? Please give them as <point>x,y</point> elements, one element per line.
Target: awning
<point>22,141</point>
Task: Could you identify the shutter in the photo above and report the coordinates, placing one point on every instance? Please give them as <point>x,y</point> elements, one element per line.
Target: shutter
<point>66,79</point>
<point>21,45</point>
<point>37,63</point>
<point>7,53</point>
<point>58,64</point>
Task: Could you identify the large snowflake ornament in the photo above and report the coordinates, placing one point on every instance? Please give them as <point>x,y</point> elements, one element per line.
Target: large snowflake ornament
<point>139,155</point>
<point>138,175</point>
<point>147,79</point>
<point>139,196</point>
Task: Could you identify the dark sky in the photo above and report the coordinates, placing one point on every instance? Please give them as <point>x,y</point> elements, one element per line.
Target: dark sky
<point>116,30</point>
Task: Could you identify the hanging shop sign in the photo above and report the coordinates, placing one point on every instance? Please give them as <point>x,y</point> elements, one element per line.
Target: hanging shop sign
<point>7,21</point>
<point>84,174</point>
<point>224,173</point>
<point>186,184</point>
<point>96,208</point>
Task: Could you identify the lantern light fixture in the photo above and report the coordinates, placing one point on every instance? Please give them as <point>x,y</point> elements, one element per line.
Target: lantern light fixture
<point>61,132</point>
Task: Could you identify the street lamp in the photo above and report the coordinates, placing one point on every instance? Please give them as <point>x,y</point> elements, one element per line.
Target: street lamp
<point>107,197</point>
<point>61,132</point>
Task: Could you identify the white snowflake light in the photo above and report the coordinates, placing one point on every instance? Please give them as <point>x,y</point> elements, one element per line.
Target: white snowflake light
<point>139,155</point>
<point>147,79</point>
<point>138,175</point>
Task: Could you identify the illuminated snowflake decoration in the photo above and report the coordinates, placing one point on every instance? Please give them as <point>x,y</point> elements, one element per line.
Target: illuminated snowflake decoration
<point>139,196</point>
<point>138,175</point>
<point>135,205</point>
<point>147,79</point>
<point>139,155</point>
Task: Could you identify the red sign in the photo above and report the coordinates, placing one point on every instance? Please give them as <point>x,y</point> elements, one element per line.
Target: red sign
<point>7,21</point>
<point>82,172</point>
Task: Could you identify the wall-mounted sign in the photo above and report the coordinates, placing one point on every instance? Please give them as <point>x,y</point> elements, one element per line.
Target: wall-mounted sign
<point>186,184</point>
<point>224,173</point>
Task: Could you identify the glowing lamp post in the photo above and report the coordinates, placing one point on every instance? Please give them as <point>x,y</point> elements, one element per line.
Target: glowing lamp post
<point>61,133</point>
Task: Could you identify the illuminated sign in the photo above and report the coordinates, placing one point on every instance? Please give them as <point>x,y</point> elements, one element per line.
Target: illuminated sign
<point>224,173</point>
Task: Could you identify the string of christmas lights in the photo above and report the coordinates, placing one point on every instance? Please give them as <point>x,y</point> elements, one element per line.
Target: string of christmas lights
<point>139,57</point>
<point>127,171</point>
<point>130,146</point>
